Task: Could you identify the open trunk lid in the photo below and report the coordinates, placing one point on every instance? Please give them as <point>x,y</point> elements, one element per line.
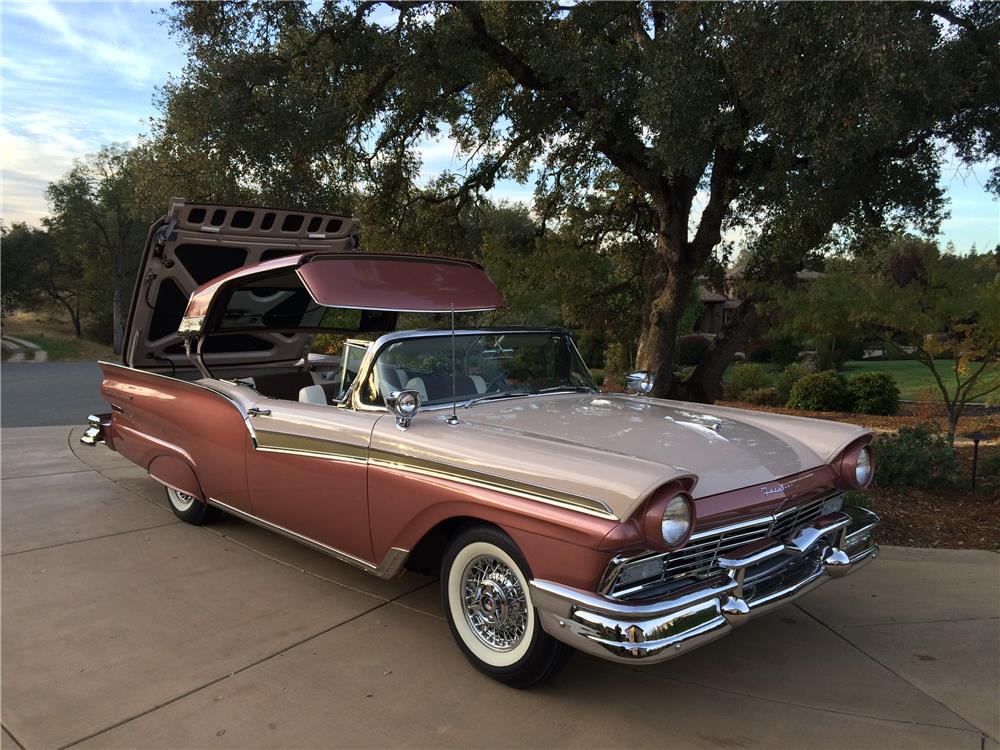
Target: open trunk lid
<point>195,243</point>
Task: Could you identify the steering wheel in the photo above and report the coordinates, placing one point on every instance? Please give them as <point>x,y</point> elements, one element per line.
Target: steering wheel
<point>518,373</point>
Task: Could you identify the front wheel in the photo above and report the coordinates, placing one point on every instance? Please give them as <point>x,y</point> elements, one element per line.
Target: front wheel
<point>190,509</point>
<point>485,594</point>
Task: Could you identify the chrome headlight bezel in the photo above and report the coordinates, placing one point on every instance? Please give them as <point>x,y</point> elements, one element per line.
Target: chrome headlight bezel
<point>857,466</point>
<point>670,507</point>
<point>675,523</point>
<point>863,469</point>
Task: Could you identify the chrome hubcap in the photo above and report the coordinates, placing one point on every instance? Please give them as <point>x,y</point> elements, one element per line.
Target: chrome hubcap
<point>181,500</point>
<point>495,605</point>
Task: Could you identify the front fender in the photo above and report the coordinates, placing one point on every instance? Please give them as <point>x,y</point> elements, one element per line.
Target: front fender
<point>559,544</point>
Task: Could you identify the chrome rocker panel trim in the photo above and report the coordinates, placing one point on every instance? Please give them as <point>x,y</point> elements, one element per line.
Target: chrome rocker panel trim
<point>654,630</point>
<point>392,564</point>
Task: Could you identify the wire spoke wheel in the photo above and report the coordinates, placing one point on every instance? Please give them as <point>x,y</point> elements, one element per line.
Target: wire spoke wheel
<point>496,607</point>
<point>486,596</point>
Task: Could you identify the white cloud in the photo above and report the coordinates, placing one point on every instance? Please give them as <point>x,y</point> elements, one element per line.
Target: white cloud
<point>103,38</point>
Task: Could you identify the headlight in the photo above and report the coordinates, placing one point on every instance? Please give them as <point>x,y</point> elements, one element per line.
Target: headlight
<point>863,467</point>
<point>676,520</point>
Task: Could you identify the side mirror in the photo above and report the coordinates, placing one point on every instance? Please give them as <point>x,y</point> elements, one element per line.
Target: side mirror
<point>405,405</point>
<point>640,383</point>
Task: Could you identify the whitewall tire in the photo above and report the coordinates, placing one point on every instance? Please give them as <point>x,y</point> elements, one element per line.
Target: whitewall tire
<point>190,509</point>
<point>487,601</point>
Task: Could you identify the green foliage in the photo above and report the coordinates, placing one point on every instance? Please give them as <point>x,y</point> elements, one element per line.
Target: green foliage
<point>741,379</point>
<point>690,349</point>
<point>915,457</point>
<point>692,311</point>
<point>822,311</point>
<point>786,379</point>
<point>762,397</point>
<point>989,467</point>
<point>784,347</point>
<point>910,294</point>
<point>820,391</point>
<point>800,121</point>
<point>874,393</point>
<point>22,249</point>
<point>859,499</point>
<point>94,221</point>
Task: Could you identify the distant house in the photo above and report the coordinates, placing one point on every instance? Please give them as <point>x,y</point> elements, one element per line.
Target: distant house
<point>713,318</point>
<point>720,307</point>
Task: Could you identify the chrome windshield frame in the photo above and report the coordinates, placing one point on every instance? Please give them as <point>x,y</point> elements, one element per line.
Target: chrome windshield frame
<point>355,402</point>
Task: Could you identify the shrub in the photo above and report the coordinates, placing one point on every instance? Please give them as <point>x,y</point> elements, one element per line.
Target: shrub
<point>874,393</point>
<point>758,352</point>
<point>762,397</point>
<point>743,378</point>
<point>787,378</point>
<point>785,348</point>
<point>859,499</point>
<point>989,467</point>
<point>690,349</point>
<point>820,391</point>
<point>915,457</point>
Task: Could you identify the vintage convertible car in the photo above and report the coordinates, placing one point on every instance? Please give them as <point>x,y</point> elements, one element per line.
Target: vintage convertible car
<point>557,516</point>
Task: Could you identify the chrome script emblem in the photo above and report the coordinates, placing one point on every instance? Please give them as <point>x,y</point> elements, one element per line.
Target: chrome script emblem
<point>776,490</point>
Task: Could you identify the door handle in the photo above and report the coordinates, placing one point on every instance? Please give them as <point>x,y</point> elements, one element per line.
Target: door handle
<point>253,411</point>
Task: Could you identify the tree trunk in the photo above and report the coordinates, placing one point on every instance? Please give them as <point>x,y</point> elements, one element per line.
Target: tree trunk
<point>705,383</point>
<point>667,300</point>
<point>74,315</point>
<point>118,324</point>
<point>117,314</point>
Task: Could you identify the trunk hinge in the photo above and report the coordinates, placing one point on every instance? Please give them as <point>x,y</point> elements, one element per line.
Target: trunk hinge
<point>164,236</point>
<point>196,356</point>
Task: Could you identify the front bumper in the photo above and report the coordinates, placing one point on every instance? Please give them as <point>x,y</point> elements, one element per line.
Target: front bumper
<point>752,580</point>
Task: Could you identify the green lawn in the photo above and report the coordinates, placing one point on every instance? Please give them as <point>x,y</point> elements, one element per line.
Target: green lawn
<point>54,334</point>
<point>913,378</point>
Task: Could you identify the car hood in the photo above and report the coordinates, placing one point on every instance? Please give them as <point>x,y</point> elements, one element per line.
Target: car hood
<point>613,450</point>
<point>725,448</point>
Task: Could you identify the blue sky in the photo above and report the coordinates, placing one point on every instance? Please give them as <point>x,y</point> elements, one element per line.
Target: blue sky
<point>77,75</point>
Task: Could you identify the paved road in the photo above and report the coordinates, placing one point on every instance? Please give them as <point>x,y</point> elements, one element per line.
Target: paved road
<point>52,393</point>
<point>124,628</point>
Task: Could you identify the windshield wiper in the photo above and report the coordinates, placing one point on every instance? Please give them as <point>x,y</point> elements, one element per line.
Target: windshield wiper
<point>568,388</point>
<point>489,396</point>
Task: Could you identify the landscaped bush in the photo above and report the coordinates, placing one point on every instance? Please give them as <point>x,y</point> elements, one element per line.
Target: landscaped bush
<point>690,349</point>
<point>762,397</point>
<point>743,378</point>
<point>874,393</point>
<point>785,348</point>
<point>820,391</point>
<point>915,457</point>
<point>787,378</point>
<point>859,499</point>
<point>989,467</point>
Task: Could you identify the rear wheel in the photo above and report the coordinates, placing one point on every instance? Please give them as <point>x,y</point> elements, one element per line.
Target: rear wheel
<point>190,509</point>
<point>484,590</point>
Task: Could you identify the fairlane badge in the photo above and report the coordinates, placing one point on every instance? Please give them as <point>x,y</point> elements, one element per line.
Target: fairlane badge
<point>775,490</point>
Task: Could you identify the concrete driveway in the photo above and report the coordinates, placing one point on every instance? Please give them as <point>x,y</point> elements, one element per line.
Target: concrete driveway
<point>125,628</point>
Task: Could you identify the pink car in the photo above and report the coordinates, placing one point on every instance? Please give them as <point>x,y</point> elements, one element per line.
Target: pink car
<point>558,517</point>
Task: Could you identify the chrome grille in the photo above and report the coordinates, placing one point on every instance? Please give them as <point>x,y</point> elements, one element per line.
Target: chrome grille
<point>787,521</point>
<point>698,558</point>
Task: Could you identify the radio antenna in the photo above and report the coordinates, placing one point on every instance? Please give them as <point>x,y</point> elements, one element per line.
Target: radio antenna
<point>453,419</point>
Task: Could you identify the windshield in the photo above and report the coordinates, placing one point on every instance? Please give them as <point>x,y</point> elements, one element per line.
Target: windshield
<point>486,364</point>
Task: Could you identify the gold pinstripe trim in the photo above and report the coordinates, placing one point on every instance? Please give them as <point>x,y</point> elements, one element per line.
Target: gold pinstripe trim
<point>440,470</point>
<point>299,445</point>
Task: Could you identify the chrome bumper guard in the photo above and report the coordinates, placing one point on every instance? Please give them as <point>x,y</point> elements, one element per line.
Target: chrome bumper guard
<point>94,434</point>
<point>752,580</point>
